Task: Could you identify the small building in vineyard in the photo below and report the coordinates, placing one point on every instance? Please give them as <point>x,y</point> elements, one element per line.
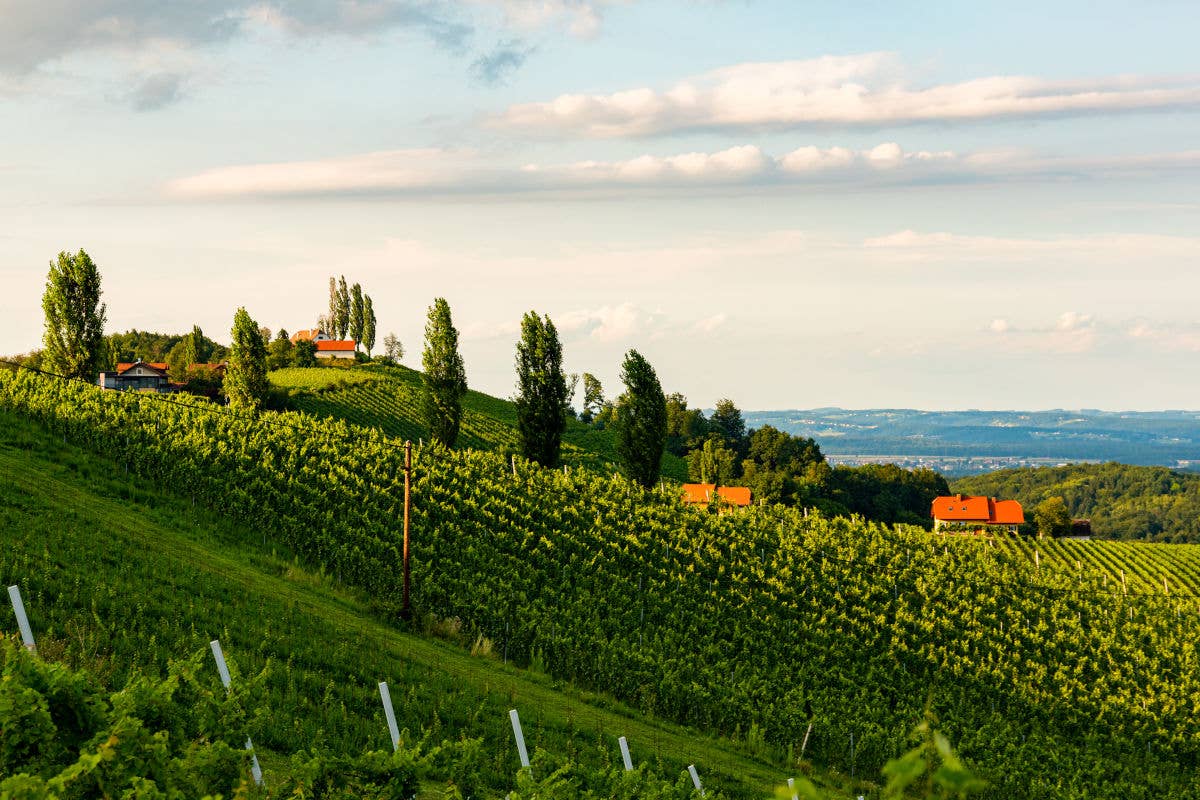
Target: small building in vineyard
<point>978,513</point>
<point>702,494</point>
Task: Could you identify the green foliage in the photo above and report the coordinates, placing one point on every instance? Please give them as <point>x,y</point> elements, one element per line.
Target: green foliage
<point>542,398</point>
<point>593,397</point>
<point>392,348</point>
<point>686,427</point>
<point>343,309</point>
<point>1120,500</point>
<point>305,354</point>
<point>443,376</point>
<point>713,462</point>
<point>74,335</point>
<point>933,766</point>
<point>641,421</point>
<point>727,422</point>
<point>357,314</point>
<point>1052,518</point>
<point>368,332</point>
<point>61,735</point>
<point>781,468</point>
<point>280,351</point>
<point>246,376</point>
<point>888,493</point>
<point>768,616</point>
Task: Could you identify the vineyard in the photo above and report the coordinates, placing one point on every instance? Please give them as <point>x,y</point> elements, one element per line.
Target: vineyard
<point>388,399</point>
<point>809,639</point>
<point>122,580</point>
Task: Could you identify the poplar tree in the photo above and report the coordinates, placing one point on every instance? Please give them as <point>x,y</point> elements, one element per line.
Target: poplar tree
<point>329,326</point>
<point>356,315</point>
<point>246,373</point>
<point>444,378</point>
<point>542,393</point>
<point>342,321</point>
<point>368,336</point>
<point>641,421</point>
<point>73,342</point>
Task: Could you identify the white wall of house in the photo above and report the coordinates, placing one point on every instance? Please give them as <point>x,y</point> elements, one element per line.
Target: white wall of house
<point>336,354</point>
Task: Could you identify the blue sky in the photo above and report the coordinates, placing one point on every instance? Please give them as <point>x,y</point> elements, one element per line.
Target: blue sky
<point>900,204</point>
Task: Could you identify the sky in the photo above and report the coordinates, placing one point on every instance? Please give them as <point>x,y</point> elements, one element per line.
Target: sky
<point>793,205</point>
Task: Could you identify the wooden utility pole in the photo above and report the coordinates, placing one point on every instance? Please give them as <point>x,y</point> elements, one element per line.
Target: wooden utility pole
<point>406,610</point>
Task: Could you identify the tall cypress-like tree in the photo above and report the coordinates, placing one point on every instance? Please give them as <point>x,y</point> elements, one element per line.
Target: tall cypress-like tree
<point>641,421</point>
<point>74,338</point>
<point>343,310</point>
<point>542,395</point>
<point>246,373</point>
<point>444,379</point>
<point>368,336</point>
<point>357,315</point>
<point>330,324</point>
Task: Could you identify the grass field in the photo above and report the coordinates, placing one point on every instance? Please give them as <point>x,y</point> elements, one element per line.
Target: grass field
<point>388,398</point>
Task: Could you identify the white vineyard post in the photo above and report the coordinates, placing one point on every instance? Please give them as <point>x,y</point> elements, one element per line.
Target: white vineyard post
<point>625,754</point>
<point>695,779</point>
<point>223,670</point>
<point>520,737</point>
<point>1124,586</point>
<point>792,788</point>
<point>14,594</point>
<point>514,466</point>
<point>390,713</point>
<point>1037,559</point>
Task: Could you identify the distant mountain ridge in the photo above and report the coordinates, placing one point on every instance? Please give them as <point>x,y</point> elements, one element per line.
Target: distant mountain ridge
<point>1153,438</point>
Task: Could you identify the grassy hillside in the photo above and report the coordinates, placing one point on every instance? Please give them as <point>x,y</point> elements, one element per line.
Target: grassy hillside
<point>119,576</point>
<point>388,398</point>
<point>1122,501</point>
<point>799,634</point>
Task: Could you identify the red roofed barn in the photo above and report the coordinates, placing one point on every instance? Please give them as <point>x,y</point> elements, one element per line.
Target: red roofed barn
<point>961,509</point>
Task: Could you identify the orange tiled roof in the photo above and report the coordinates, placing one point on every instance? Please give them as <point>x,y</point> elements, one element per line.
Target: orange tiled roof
<point>985,510</point>
<point>735,495</point>
<point>161,366</point>
<point>701,492</point>
<point>305,336</point>
<point>335,345</point>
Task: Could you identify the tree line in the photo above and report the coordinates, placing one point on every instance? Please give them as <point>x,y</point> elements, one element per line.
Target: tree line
<point>778,467</point>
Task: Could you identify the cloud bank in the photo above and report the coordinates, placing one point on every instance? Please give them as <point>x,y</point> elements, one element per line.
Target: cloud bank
<point>858,90</point>
<point>433,171</point>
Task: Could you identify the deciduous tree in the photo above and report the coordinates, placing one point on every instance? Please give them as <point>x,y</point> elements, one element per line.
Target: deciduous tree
<point>641,420</point>
<point>357,312</point>
<point>444,379</point>
<point>542,397</point>
<point>1052,517</point>
<point>246,374</point>
<point>368,335</point>
<point>593,397</point>
<point>73,342</point>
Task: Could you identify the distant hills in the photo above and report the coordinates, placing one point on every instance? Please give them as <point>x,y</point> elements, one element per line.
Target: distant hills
<point>969,442</point>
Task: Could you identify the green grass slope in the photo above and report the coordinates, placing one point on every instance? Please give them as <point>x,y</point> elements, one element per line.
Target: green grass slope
<point>388,399</point>
<point>118,576</point>
<point>1122,501</point>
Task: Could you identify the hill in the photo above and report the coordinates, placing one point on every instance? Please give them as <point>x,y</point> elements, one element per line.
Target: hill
<point>121,577</point>
<point>812,638</point>
<point>1122,501</point>
<point>968,442</point>
<point>388,398</point>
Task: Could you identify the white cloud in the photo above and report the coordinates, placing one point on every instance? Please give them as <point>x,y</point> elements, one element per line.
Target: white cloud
<point>1074,321</point>
<point>711,324</point>
<point>999,326</point>
<point>610,323</point>
<point>913,247</point>
<point>581,18</point>
<point>852,90</point>
<point>450,171</point>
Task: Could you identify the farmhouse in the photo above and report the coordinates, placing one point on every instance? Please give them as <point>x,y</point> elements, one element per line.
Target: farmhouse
<point>986,512</point>
<point>311,335</point>
<point>139,376</point>
<point>333,348</point>
<point>702,493</point>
